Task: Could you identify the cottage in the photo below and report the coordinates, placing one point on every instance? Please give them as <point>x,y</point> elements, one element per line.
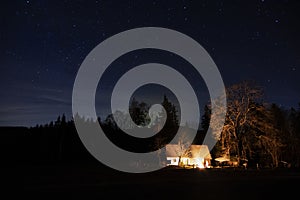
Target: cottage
<point>196,156</point>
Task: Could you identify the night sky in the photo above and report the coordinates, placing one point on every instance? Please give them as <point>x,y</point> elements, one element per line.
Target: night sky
<point>44,42</point>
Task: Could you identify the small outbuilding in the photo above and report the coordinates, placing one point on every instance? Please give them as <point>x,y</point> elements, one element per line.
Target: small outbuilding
<point>197,156</point>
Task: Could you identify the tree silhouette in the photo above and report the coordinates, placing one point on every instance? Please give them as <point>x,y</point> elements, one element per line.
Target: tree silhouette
<point>261,133</point>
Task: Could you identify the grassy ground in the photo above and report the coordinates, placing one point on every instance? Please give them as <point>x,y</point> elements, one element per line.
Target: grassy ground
<point>97,182</point>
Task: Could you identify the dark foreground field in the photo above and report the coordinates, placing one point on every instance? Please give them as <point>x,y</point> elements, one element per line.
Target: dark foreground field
<point>99,183</point>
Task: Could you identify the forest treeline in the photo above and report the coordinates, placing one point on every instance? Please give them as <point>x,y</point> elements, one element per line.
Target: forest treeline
<point>265,135</point>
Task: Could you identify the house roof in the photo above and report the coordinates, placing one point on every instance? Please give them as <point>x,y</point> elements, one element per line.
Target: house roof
<point>174,150</point>
<point>200,151</point>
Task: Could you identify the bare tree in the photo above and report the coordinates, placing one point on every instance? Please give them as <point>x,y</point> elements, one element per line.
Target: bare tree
<point>248,124</point>
<point>184,144</point>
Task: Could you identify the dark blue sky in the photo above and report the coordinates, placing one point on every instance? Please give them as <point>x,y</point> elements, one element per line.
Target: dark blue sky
<point>43,43</point>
